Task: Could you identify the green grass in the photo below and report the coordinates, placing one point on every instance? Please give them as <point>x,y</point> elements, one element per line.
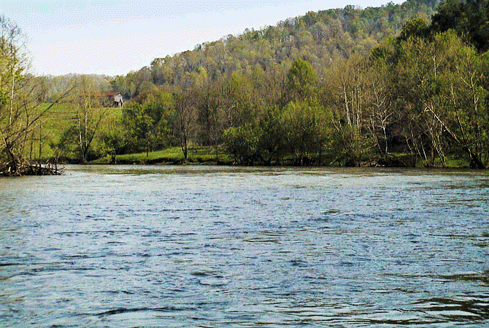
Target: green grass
<point>451,162</point>
<point>61,116</point>
<point>173,155</point>
<point>57,120</point>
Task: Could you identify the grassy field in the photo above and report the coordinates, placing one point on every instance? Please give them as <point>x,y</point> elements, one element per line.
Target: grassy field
<point>62,116</point>
<point>57,120</point>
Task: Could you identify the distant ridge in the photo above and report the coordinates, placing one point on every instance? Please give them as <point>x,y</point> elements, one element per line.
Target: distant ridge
<point>318,37</point>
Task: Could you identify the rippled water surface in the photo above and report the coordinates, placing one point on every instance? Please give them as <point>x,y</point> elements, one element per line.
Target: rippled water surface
<point>129,246</point>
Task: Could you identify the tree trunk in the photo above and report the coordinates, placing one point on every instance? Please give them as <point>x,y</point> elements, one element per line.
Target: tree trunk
<point>475,161</point>
<point>184,146</point>
<point>12,164</point>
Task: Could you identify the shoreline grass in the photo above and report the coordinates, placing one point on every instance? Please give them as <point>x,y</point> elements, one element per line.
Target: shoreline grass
<point>172,155</point>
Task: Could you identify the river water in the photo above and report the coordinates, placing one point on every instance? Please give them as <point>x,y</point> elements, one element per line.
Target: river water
<point>134,246</point>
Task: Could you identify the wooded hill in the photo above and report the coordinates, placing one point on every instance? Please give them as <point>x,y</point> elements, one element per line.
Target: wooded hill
<point>399,85</point>
<point>239,93</point>
<point>321,38</point>
<point>374,86</point>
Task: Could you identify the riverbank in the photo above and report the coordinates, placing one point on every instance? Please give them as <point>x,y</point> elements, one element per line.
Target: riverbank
<point>31,169</point>
<point>170,156</point>
<point>208,156</point>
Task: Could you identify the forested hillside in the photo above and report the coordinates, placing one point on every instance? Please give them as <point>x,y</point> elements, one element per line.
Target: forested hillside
<point>399,85</point>
<point>300,92</point>
<point>320,38</point>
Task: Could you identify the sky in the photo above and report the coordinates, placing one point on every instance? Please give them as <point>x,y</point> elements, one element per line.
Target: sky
<point>115,37</point>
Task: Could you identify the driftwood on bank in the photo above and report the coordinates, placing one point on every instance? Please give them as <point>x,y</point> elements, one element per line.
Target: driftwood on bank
<point>32,169</point>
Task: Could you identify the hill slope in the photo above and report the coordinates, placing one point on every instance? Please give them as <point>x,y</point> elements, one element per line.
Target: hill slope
<point>318,37</point>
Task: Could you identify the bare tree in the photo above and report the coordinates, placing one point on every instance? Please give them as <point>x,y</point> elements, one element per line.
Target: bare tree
<point>184,119</point>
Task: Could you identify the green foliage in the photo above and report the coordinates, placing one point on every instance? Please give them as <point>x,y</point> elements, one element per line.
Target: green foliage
<point>317,37</point>
<point>272,136</point>
<point>146,121</point>
<point>470,19</point>
<point>415,28</point>
<point>349,147</point>
<point>439,82</point>
<point>70,147</point>
<point>20,112</point>
<point>374,86</point>
<point>242,143</point>
<point>386,53</point>
<point>302,81</point>
<point>306,130</point>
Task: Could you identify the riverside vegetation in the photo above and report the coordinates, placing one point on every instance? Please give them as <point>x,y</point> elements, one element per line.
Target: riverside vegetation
<point>399,85</point>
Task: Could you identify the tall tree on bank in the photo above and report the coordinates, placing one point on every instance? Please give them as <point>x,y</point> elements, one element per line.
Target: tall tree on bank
<point>462,97</point>
<point>20,110</point>
<point>438,92</point>
<point>306,122</point>
<point>146,120</point>
<point>348,93</point>
<point>184,119</point>
<point>13,63</point>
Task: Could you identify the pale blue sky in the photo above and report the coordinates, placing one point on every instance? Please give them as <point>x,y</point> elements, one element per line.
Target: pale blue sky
<point>114,37</point>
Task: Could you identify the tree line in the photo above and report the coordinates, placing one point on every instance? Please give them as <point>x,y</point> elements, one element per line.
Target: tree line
<point>399,85</point>
<point>416,98</point>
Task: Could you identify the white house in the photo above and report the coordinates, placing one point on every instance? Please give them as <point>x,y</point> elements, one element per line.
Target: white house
<point>118,101</point>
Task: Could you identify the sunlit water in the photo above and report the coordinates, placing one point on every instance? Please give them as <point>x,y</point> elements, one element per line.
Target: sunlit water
<point>132,246</point>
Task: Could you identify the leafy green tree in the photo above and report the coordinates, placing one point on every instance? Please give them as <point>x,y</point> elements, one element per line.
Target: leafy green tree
<point>302,82</point>
<point>146,120</point>
<point>272,139</point>
<point>438,84</point>
<point>13,123</point>
<point>414,28</point>
<point>241,96</point>
<point>114,140</point>
<point>463,97</point>
<point>347,93</point>
<point>242,143</point>
<point>416,88</point>
<point>210,105</point>
<point>379,114</point>
<point>307,130</point>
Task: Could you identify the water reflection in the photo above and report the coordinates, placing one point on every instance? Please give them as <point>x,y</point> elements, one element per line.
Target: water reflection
<point>234,247</point>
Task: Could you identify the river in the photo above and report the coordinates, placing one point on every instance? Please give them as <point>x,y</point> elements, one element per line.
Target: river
<point>141,246</point>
